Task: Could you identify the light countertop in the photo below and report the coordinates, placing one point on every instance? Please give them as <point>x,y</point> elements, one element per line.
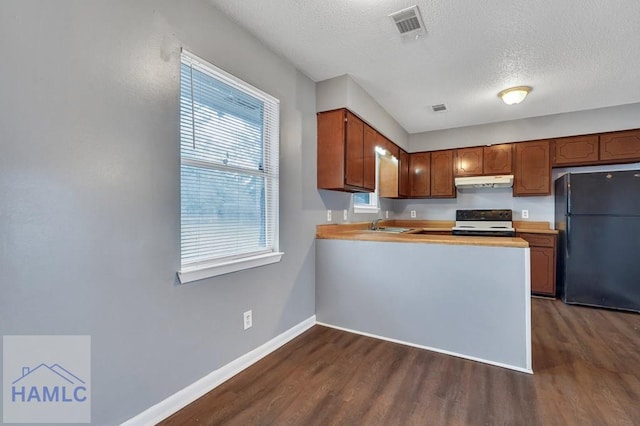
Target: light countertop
<point>360,231</point>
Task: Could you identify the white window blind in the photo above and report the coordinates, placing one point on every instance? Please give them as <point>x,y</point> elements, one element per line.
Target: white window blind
<point>229,136</point>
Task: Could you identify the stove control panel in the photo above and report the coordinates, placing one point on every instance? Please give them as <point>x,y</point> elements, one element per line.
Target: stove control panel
<point>476,215</point>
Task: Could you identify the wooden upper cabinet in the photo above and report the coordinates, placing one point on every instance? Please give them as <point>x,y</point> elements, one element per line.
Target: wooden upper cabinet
<point>620,146</point>
<point>469,161</point>
<point>391,147</point>
<point>393,171</point>
<point>576,150</point>
<point>371,139</point>
<point>442,174</point>
<point>497,159</point>
<point>420,174</point>
<point>347,160</point>
<point>355,151</point>
<point>331,149</point>
<point>388,178</point>
<point>344,162</point>
<point>403,172</point>
<point>532,168</point>
<point>484,160</point>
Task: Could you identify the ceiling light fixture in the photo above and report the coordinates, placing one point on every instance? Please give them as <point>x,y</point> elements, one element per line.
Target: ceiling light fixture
<point>514,95</point>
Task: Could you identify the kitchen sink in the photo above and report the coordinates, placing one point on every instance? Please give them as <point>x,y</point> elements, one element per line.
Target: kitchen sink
<point>391,229</point>
<point>425,232</point>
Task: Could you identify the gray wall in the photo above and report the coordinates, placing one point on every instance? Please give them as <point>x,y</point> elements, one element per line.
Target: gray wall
<point>550,126</point>
<point>343,91</point>
<point>540,208</point>
<point>481,310</point>
<point>89,194</point>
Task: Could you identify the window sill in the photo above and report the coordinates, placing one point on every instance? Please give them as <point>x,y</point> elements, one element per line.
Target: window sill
<point>212,270</point>
<point>365,209</point>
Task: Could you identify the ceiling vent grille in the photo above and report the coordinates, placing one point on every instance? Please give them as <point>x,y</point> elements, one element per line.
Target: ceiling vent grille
<point>439,108</point>
<point>408,21</point>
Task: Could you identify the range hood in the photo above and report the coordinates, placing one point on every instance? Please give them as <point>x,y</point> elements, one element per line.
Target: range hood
<point>501,181</point>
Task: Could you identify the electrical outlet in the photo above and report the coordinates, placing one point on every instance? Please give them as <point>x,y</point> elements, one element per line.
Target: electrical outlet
<point>248,319</point>
<point>386,214</point>
<point>413,214</point>
<point>328,215</point>
<point>525,214</point>
<point>345,215</point>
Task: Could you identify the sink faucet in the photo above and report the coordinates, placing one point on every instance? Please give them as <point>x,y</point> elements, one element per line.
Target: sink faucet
<point>374,224</point>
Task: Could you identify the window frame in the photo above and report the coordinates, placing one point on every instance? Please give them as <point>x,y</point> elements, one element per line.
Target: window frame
<point>215,266</point>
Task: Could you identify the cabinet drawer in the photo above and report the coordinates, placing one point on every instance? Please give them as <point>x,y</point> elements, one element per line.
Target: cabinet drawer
<point>539,240</point>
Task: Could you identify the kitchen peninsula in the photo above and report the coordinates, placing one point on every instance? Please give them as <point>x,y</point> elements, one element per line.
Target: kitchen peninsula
<point>458,295</point>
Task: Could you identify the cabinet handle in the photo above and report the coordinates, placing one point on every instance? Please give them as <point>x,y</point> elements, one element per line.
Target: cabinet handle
<point>566,240</point>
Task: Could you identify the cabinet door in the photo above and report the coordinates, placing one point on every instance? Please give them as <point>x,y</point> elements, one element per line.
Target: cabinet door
<point>420,174</point>
<point>403,171</point>
<point>469,161</point>
<point>620,146</point>
<point>543,270</point>
<point>442,174</point>
<point>575,151</point>
<point>497,159</point>
<point>388,180</point>
<point>391,147</point>
<point>542,248</point>
<point>354,151</point>
<point>331,133</point>
<point>371,139</point>
<point>532,168</point>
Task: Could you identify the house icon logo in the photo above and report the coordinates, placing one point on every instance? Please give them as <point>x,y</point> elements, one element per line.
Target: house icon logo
<point>46,379</point>
<point>61,385</point>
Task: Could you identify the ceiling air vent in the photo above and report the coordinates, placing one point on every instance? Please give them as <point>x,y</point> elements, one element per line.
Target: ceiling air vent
<point>439,108</point>
<point>408,21</point>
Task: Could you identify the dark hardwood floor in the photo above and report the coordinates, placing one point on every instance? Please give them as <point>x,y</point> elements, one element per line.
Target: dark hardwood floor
<point>586,363</point>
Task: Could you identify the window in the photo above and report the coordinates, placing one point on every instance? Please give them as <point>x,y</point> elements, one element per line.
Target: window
<point>229,135</point>
<point>365,202</point>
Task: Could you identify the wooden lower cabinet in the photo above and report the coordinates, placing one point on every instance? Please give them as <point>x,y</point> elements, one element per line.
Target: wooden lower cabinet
<point>543,262</point>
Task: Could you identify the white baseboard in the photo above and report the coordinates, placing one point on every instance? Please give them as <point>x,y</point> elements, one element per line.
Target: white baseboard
<point>186,396</point>
<point>429,348</point>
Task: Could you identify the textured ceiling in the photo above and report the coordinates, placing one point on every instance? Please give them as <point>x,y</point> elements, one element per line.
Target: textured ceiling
<point>576,54</point>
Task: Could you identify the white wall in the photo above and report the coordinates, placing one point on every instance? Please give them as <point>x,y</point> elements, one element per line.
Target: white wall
<point>90,202</point>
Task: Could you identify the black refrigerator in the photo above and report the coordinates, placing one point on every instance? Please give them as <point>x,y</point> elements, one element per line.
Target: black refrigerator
<point>598,219</point>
